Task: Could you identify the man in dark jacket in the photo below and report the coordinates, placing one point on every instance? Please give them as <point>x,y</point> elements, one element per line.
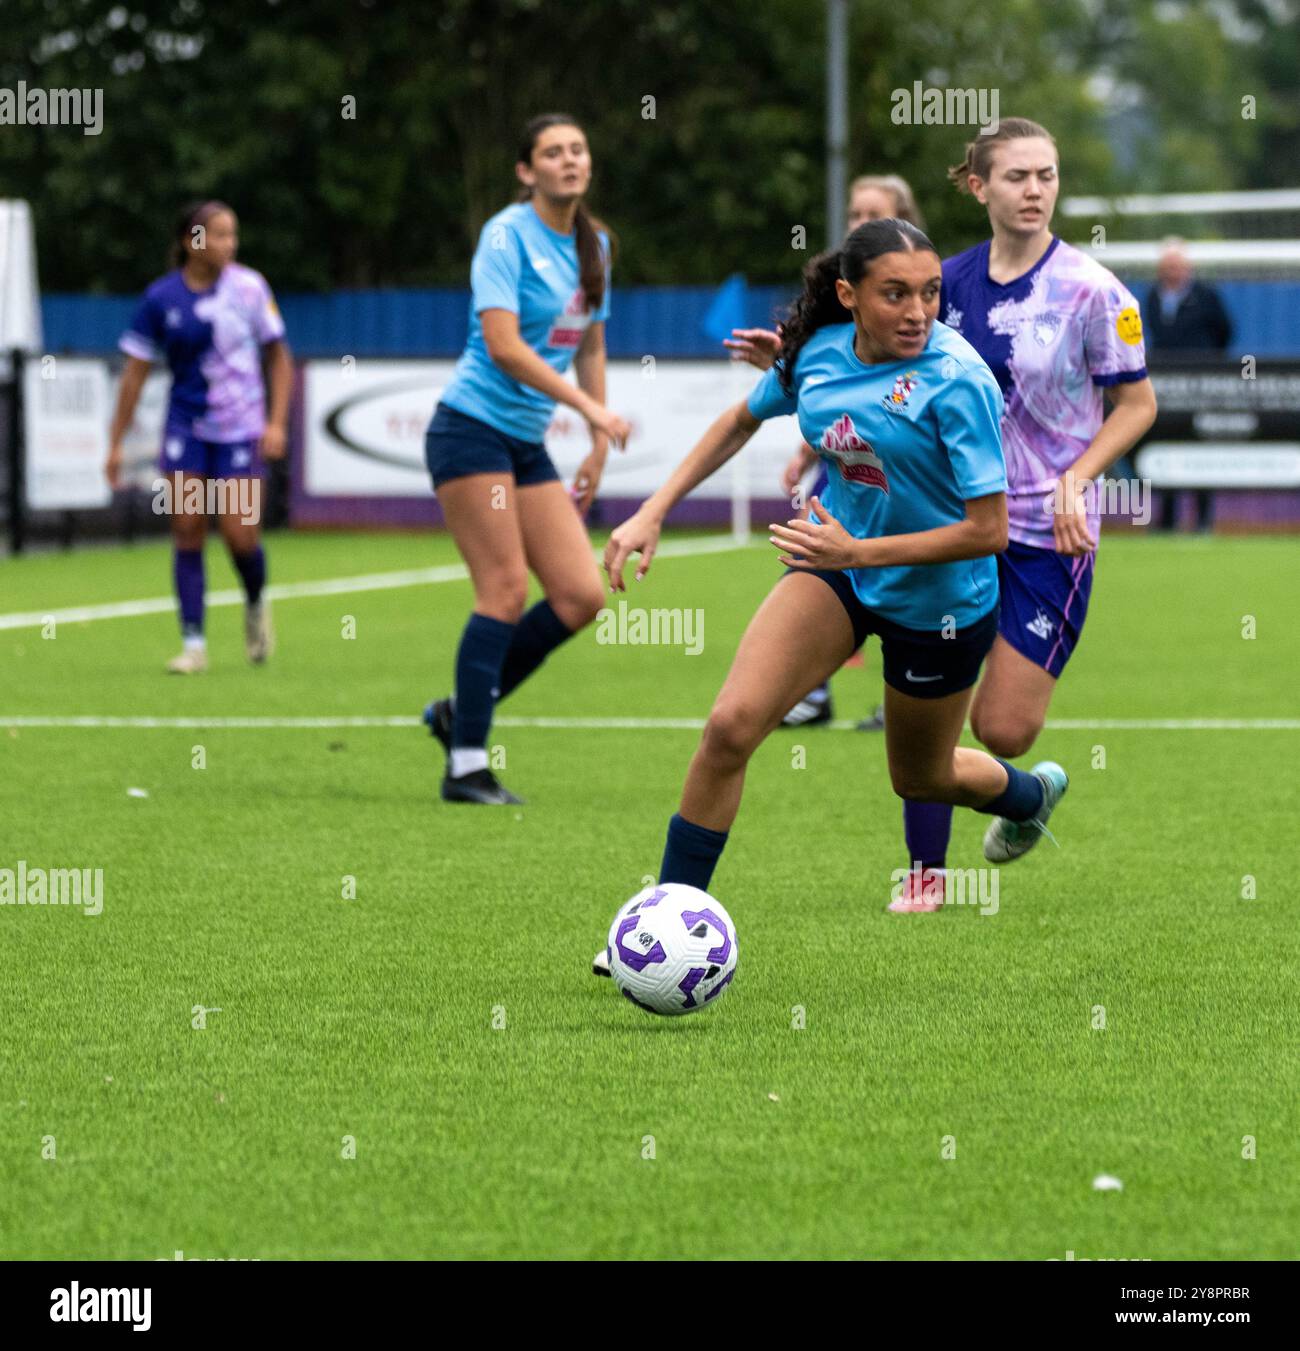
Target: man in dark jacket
<point>1184,315</point>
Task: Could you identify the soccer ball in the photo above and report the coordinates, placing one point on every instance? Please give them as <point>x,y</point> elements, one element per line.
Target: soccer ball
<point>672,949</point>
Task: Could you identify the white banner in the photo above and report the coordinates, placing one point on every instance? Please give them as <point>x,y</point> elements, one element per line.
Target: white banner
<point>20,299</point>
<point>142,444</point>
<point>365,425</point>
<point>65,403</point>
<point>1198,464</point>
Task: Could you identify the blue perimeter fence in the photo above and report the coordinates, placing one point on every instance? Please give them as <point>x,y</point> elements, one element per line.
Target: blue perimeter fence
<point>666,321</point>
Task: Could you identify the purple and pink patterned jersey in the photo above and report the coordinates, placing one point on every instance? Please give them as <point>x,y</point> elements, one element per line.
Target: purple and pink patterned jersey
<point>212,342</point>
<point>1054,337</point>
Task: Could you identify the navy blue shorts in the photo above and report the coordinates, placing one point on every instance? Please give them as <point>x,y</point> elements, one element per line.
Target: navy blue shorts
<point>1044,602</point>
<point>186,454</point>
<point>919,662</point>
<point>457,444</point>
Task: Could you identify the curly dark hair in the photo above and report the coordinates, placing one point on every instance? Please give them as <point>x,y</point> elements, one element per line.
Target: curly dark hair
<point>818,305</point>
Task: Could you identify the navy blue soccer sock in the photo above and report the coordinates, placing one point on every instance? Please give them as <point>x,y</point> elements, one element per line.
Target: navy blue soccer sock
<point>252,572</point>
<point>482,650</point>
<point>691,853</point>
<point>187,569</point>
<point>536,636</point>
<point>1020,799</point>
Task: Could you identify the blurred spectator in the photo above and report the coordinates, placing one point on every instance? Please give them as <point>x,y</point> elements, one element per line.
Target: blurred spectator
<point>1186,316</point>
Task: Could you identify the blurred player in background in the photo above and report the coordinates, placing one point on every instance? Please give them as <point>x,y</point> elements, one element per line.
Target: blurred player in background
<point>909,415</point>
<point>871,197</point>
<point>214,322</point>
<point>1057,329</point>
<point>540,280</point>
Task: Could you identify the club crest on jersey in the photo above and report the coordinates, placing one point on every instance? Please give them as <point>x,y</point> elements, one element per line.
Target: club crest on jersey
<point>903,386</point>
<point>857,461</point>
<point>1046,326</point>
<point>568,329</point>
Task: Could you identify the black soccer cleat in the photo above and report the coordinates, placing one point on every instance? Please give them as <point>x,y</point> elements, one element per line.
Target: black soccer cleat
<point>437,718</point>
<point>481,786</point>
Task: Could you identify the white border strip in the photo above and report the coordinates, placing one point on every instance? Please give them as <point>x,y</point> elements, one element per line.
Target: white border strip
<point>617,724</point>
<point>327,586</point>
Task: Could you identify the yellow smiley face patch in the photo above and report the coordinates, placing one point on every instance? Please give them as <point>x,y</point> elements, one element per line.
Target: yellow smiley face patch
<point>1128,324</point>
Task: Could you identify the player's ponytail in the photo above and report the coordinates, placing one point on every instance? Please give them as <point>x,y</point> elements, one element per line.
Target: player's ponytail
<point>591,256</point>
<point>816,306</point>
<point>819,305</point>
<point>979,152</point>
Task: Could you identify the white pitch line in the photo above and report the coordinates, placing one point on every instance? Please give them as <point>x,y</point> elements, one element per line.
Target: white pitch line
<point>611,724</point>
<point>327,586</point>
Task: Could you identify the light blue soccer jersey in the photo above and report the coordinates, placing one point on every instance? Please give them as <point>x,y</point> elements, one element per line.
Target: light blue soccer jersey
<point>906,444</point>
<point>523,266</point>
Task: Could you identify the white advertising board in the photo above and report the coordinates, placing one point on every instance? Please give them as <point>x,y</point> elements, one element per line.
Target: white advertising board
<point>365,424</point>
<point>66,412</point>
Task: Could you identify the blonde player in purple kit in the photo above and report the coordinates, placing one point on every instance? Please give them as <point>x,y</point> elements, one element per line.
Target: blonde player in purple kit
<point>1057,330</point>
<point>215,324</point>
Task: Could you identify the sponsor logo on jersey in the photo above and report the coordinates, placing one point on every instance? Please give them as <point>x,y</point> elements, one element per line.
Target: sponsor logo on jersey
<point>1128,324</point>
<point>173,318</point>
<point>903,387</point>
<point>857,461</point>
<point>954,317</point>
<point>568,329</point>
<point>1040,626</point>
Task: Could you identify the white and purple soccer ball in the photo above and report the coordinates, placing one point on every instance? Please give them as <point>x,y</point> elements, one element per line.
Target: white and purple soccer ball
<point>672,949</point>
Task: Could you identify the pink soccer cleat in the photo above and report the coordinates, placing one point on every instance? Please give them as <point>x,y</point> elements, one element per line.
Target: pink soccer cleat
<point>922,892</point>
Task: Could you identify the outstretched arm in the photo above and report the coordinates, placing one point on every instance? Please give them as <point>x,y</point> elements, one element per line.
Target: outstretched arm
<point>640,532</point>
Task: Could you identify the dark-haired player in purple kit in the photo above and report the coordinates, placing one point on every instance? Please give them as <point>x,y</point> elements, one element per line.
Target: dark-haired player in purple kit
<point>1057,329</point>
<point>215,323</point>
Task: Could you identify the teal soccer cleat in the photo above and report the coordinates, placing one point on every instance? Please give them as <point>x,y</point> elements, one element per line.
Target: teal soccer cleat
<point>1006,840</point>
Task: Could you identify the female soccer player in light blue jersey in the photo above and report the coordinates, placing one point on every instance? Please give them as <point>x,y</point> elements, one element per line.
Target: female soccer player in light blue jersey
<point>906,416</point>
<point>216,325</point>
<point>540,279</point>
<point>871,197</point>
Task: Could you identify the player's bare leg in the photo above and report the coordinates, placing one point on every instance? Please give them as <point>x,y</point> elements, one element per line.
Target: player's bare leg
<point>1011,702</point>
<point>558,551</point>
<point>799,637</point>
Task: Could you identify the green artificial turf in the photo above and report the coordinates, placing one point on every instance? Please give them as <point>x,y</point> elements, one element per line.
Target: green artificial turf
<point>373,1018</point>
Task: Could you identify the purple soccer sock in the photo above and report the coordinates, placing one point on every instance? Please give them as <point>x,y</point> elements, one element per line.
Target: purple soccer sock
<point>187,570</point>
<point>926,828</point>
<point>252,572</point>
